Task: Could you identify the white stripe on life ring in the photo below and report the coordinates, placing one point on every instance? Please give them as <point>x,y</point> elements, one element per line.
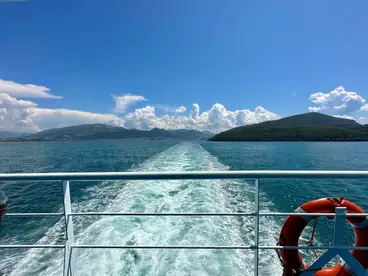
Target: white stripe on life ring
<point>299,210</point>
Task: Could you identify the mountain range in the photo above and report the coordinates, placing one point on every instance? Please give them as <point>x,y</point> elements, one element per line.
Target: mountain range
<point>102,131</point>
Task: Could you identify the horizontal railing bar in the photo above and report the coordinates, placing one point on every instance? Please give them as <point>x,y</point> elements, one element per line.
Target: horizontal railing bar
<point>34,214</point>
<point>160,214</point>
<point>215,214</point>
<point>183,214</point>
<point>314,247</point>
<point>215,247</point>
<point>161,246</point>
<point>262,174</point>
<point>314,214</point>
<point>182,246</point>
<point>32,246</point>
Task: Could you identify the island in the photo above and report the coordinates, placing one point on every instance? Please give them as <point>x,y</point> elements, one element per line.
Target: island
<point>311,126</point>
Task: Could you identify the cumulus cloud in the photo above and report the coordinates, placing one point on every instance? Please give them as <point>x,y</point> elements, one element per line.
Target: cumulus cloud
<point>15,114</point>
<point>25,90</point>
<point>194,113</point>
<point>338,101</point>
<point>122,102</point>
<point>314,109</point>
<point>217,119</point>
<point>25,116</point>
<point>142,118</point>
<point>344,117</point>
<point>181,109</point>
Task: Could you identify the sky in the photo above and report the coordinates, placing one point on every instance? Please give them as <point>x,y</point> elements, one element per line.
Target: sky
<point>206,65</point>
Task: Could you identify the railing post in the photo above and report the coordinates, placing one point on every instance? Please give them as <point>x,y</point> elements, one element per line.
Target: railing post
<point>256,227</point>
<point>338,239</point>
<point>339,226</point>
<point>69,258</point>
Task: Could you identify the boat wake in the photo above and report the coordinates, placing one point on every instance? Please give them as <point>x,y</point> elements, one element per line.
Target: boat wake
<point>161,196</point>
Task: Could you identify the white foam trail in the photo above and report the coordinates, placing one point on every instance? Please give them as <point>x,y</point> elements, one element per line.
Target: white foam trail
<point>163,196</point>
<point>3,197</point>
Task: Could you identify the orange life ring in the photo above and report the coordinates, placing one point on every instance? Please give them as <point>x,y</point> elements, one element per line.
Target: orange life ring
<point>294,226</point>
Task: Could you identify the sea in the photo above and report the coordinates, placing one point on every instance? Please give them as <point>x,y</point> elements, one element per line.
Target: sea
<point>166,196</point>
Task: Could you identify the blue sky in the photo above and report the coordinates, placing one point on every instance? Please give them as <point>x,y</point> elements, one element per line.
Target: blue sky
<point>240,54</point>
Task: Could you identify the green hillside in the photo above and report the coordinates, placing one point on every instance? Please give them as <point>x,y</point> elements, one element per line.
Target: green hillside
<point>304,127</point>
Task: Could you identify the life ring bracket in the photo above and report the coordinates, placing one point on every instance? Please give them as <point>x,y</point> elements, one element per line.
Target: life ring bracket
<point>356,262</point>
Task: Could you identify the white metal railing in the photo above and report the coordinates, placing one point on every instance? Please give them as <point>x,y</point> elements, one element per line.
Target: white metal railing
<point>70,261</point>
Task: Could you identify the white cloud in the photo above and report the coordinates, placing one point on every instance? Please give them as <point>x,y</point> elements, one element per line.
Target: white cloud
<point>314,109</point>
<point>24,116</point>
<point>181,109</point>
<point>142,118</point>
<point>169,109</point>
<point>217,119</point>
<point>122,102</point>
<point>194,113</point>
<point>364,107</point>
<point>345,117</point>
<point>25,90</point>
<point>15,114</point>
<point>338,101</point>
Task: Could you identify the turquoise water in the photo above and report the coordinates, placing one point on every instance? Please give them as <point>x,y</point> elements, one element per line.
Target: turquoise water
<point>165,196</point>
